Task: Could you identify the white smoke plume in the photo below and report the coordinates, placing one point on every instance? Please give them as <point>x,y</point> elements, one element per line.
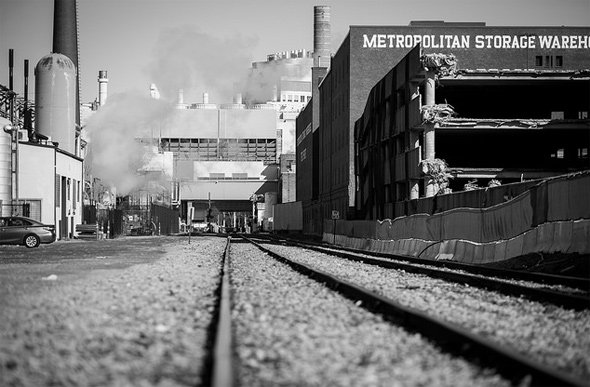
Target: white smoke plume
<point>186,58</point>
<point>115,154</point>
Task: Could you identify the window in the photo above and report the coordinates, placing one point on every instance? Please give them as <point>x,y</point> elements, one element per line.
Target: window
<point>239,175</point>
<point>538,61</point>
<point>559,61</point>
<point>57,190</point>
<point>582,153</point>
<point>75,196</point>
<point>548,60</point>
<point>217,175</point>
<point>560,153</point>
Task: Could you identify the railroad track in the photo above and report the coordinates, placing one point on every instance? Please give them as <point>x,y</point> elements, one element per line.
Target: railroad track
<point>567,292</point>
<point>452,338</point>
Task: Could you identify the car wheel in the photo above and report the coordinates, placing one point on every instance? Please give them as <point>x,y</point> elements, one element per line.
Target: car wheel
<point>32,240</point>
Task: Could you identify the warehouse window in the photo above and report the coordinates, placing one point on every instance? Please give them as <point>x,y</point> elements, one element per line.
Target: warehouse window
<point>559,61</point>
<point>548,61</point>
<point>539,61</point>
<point>582,153</point>
<point>57,190</point>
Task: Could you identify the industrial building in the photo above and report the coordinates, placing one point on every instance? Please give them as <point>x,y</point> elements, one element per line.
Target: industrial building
<point>224,159</point>
<point>234,162</point>
<point>517,55</point>
<point>41,172</point>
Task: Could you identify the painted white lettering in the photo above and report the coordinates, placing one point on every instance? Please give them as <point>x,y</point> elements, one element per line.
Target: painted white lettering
<point>434,44</point>
<point>573,42</point>
<point>532,42</point>
<point>565,42</point>
<point>417,40</point>
<point>497,41</point>
<point>465,41</point>
<point>426,41</point>
<point>448,41</point>
<point>391,39</point>
<point>506,41</point>
<point>545,41</point>
<point>556,43</point>
<point>399,41</point>
<point>489,39</point>
<point>479,41</point>
<point>408,41</point>
<point>369,43</point>
<point>381,41</point>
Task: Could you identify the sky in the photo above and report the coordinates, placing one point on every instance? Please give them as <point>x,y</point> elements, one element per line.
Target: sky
<point>206,45</point>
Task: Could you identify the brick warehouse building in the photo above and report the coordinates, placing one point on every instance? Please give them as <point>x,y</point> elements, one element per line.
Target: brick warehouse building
<point>368,53</point>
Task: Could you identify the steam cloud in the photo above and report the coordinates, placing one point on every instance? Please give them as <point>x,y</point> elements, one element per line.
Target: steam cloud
<point>115,155</point>
<point>185,58</point>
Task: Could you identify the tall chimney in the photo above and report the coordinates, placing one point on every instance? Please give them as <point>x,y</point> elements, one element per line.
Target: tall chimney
<point>205,97</point>
<point>65,38</point>
<point>321,36</point>
<point>102,87</point>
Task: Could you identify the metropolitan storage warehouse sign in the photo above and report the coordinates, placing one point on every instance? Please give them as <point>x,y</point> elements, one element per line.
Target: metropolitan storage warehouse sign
<point>477,41</point>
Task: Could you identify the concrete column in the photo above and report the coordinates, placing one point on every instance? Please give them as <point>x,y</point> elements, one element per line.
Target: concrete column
<point>429,130</point>
<point>414,143</point>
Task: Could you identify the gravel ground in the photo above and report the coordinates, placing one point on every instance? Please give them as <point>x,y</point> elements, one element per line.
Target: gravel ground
<point>142,325</point>
<point>293,331</point>
<point>530,284</point>
<point>549,334</point>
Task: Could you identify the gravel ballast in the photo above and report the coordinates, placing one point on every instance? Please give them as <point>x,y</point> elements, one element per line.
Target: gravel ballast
<point>549,334</point>
<point>142,325</point>
<point>293,331</point>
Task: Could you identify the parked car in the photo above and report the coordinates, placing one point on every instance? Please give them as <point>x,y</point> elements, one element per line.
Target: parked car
<point>19,230</point>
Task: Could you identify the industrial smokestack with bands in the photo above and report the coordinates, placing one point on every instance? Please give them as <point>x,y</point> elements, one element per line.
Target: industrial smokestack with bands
<point>103,82</point>
<point>65,38</point>
<point>322,36</point>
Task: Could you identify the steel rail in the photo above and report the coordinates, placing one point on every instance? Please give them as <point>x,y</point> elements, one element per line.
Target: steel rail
<point>222,368</point>
<point>453,338</point>
<point>549,279</point>
<point>566,300</point>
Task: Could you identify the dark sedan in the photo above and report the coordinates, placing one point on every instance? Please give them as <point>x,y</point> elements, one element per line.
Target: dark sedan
<point>18,230</point>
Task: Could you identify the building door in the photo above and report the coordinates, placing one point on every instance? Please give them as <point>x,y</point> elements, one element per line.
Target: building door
<point>63,221</point>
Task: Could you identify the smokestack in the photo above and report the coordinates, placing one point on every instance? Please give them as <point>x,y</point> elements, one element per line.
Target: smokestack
<point>102,87</point>
<point>65,38</point>
<point>238,98</point>
<point>205,97</point>
<point>155,94</point>
<point>321,36</point>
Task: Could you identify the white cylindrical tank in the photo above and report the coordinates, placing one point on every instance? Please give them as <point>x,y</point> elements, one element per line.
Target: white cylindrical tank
<point>55,100</point>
